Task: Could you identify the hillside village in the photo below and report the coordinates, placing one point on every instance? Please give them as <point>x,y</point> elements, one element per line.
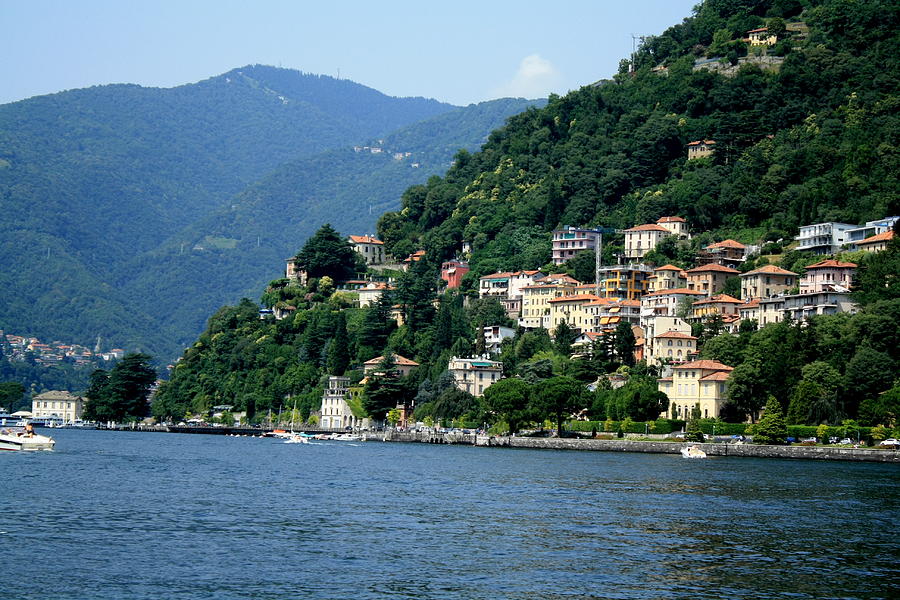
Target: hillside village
<point>662,305</point>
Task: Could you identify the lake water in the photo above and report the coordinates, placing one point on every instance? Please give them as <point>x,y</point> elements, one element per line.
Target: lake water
<point>149,515</point>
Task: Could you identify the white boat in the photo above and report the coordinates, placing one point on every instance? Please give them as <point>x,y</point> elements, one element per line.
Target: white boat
<point>693,452</point>
<point>18,439</point>
<point>347,437</point>
<point>296,438</point>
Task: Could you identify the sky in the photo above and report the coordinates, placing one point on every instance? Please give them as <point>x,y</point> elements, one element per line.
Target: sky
<point>460,52</point>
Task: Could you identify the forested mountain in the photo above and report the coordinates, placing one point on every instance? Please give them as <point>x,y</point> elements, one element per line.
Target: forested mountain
<point>93,182</point>
<point>806,130</point>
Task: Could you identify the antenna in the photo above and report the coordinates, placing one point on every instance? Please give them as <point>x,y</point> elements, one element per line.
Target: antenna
<point>339,73</point>
<point>634,49</point>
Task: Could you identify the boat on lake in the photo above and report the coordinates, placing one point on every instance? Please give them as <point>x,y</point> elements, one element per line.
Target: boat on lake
<point>15,438</point>
<point>693,452</point>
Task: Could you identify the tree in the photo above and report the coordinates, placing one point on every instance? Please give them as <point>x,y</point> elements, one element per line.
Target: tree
<point>746,389</point>
<point>328,253</point>
<point>557,397</point>
<point>507,400</point>
<point>10,394</point>
<point>692,431</point>
<point>563,337</point>
<point>771,428</point>
<point>122,393</point>
<point>624,343</point>
<point>883,409</point>
<point>868,373</point>
<point>339,349</point>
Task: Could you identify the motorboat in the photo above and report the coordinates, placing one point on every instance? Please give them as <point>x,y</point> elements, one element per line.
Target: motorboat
<point>347,437</point>
<point>15,438</point>
<point>296,438</point>
<point>693,452</point>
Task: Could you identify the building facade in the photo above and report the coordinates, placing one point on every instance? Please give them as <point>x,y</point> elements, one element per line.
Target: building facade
<point>57,404</point>
<point>569,241</point>
<point>823,238</point>
<point>767,281</point>
<point>642,239</point>
<point>474,375</point>
<point>699,382</point>
<point>335,410</point>
<point>709,279</point>
<point>370,248</point>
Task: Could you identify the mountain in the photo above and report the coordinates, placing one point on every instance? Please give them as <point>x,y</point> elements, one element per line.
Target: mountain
<point>96,184</point>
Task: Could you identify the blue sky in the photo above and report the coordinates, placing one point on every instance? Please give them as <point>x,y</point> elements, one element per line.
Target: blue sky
<point>460,52</point>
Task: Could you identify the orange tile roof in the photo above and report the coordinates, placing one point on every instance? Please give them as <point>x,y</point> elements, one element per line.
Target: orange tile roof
<point>712,267</point>
<point>718,376</point>
<point>670,220</point>
<point>676,291</point>
<point>650,227</point>
<point>771,269</point>
<point>364,239</point>
<point>719,298</point>
<point>498,275</point>
<point>698,142</point>
<point>676,334</point>
<point>752,304</point>
<point>881,237</point>
<point>728,244</point>
<point>398,360</point>
<point>667,268</point>
<point>761,29</point>
<point>575,298</point>
<point>712,365</point>
<point>832,264</point>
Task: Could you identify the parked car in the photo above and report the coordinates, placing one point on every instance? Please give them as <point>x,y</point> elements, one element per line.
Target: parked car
<point>812,439</point>
<point>890,442</point>
<point>846,441</point>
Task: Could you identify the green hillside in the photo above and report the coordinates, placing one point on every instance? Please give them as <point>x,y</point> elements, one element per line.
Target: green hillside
<point>96,183</point>
<point>806,130</point>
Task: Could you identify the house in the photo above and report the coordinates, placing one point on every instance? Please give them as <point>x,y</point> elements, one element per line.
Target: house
<point>674,346</point>
<point>860,234</point>
<point>877,242</point>
<point>536,303</point>
<point>827,275</point>
<point>403,365</point>
<point>452,272</point>
<point>569,241</point>
<point>701,149</point>
<point>413,258</point>
<point>665,303</point>
<point>676,225</point>
<point>474,375</point>
<point>749,311</point>
<point>57,404</point>
<point>335,410</point>
<point>654,327</point>
<point>728,253</point>
<point>625,282</point>
<point>494,336</point>
<point>771,310</point>
<point>720,304</point>
<point>608,314</point>
<point>709,279</point>
<point>642,239</point>
<point>370,248</point>
<point>699,382</point>
<point>799,307</point>
<point>761,37</point>
<point>573,310</point>
<point>766,281</point>
<point>295,272</point>
<point>495,284</point>
<point>372,293</point>
<point>823,238</point>
<point>666,277</point>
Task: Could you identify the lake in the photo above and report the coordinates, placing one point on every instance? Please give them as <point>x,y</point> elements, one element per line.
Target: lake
<point>153,515</point>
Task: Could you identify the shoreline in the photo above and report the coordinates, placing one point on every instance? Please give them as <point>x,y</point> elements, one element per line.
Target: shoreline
<point>592,445</point>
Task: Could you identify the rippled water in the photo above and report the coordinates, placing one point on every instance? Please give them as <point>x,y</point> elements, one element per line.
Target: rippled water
<point>144,515</point>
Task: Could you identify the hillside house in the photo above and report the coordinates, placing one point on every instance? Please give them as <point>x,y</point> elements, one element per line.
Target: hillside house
<point>701,149</point>
<point>369,247</point>
<point>702,382</point>
<point>573,310</point>
<point>799,307</point>
<point>877,242</point>
<point>642,239</point>
<point>709,279</point>
<point>608,314</point>
<point>761,37</point>
<point>57,404</point>
<point>536,303</point>
<point>625,282</point>
<point>728,253</point>
<point>824,238</point>
<point>452,272</point>
<point>403,365</point>
<point>372,292</point>
<point>676,225</point>
<point>861,234</point>
<point>474,375</point>
<point>666,277</point>
<point>720,304</point>
<point>494,336</point>
<point>335,412</point>
<point>653,327</point>
<point>766,281</point>
<point>827,276</point>
<point>674,347</point>
<point>569,241</point>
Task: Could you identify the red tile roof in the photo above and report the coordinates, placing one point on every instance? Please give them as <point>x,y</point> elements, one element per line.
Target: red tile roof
<point>650,227</point>
<point>677,291</point>
<point>712,267</point>
<point>364,239</point>
<point>771,269</point>
<point>728,244</point>
<point>718,376</point>
<point>698,142</point>
<point>676,334</point>
<point>670,220</point>
<point>881,237</point>
<point>575,298</point>
<point>719,298</point>
<point>398,360</point>
<point>832,264</point>
<point>712,365</point>
<point>667,268</point>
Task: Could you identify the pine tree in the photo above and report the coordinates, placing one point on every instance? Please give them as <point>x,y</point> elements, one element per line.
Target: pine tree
<point>771,428</point>
<point>339,349</point>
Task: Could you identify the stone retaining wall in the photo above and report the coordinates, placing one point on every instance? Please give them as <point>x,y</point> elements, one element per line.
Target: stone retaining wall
<point>750,450</point>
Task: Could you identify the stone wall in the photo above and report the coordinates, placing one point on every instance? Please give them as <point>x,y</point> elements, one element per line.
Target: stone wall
<point>749,450</point>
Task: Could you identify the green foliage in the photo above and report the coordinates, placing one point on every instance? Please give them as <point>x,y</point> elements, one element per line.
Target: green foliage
<point>557,397</point>
<point>122,393</point>
<point>771,428</point>
<point>507,400</point>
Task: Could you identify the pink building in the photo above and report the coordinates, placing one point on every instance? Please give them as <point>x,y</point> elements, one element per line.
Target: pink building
<point>453,271</point>
<point>827,276</point>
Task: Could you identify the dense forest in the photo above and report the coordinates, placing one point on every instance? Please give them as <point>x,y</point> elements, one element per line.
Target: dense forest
<point>809,137</point>
<point>132,213</point>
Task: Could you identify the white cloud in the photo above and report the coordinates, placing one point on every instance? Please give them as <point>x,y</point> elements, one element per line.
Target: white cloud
<point>535,78</point>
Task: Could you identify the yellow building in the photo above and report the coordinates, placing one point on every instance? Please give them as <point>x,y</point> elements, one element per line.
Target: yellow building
<point>766,281</point>
<point>575,310</point>
<point>536,303</point>
<point>709,279</point>
<point>721,304</point>
<point>667,277</point>
<point>57,405</point>
<point>702,382</point>
<point>876,243</point>
<point>625,282</point>
<point>701,149</point>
